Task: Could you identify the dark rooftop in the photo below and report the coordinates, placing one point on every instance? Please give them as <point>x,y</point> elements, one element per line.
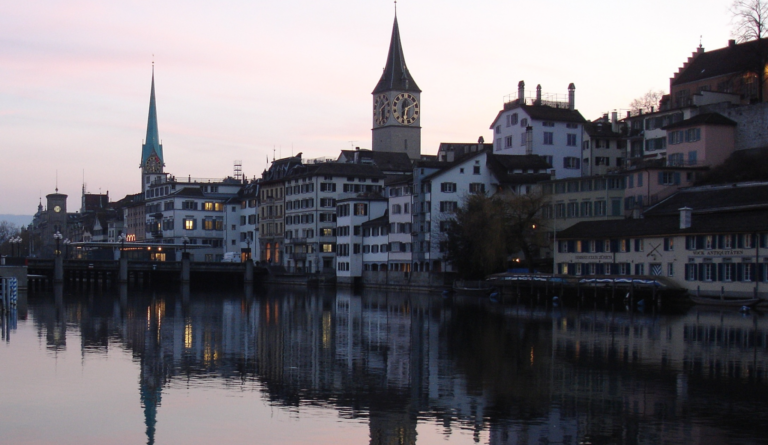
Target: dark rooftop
<point>702,119</point>
<point>730,59</point>
<point>715,198</point>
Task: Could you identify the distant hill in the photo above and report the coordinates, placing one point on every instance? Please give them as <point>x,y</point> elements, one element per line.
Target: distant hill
<point>17,220</point>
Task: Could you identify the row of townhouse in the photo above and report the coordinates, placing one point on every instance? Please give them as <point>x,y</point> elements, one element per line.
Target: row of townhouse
<point>709,240</point>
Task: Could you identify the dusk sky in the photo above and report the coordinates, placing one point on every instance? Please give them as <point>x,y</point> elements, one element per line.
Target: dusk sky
<point>236,79</point>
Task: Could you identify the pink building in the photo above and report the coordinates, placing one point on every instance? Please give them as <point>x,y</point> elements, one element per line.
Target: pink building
<point>703,140</point>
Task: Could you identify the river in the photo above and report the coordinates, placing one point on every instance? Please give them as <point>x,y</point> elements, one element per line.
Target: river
<point>297,366</point>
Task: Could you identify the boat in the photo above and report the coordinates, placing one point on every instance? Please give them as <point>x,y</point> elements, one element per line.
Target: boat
<point>725,301</point>
<point>477,288</point>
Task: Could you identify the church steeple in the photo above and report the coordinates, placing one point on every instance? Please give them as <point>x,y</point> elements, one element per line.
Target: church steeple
<point>396,75</point>
<point>397,105</point>
<point>152,142</point>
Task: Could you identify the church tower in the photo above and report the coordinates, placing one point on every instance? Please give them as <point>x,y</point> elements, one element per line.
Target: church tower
<point>397,105</point>
<point>152,161</point>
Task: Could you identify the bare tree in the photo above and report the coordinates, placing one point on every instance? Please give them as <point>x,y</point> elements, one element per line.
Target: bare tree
<point>7,230</point>
<point>749,19</point>
<point>646,102</point>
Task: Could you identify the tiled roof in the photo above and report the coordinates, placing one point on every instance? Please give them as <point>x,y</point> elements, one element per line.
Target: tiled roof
<point>702,119</point>
<point>724,222</point>
<point>191,192</point>
<point>382,220</point>
<point>714,198</point>
<point>731,59</point>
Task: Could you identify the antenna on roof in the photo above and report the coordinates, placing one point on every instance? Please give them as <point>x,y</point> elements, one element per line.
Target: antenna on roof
<point>395,8</point>
<point>57,181</point>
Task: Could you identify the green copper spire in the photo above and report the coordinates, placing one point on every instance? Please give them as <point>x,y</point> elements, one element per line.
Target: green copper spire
<point>152,142</point>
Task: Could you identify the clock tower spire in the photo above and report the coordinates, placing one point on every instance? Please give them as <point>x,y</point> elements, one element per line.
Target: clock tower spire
<point>397,105</point>
<point>152,161</point>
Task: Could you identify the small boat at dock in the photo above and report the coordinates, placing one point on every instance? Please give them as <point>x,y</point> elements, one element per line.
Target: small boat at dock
<point>725,301</point>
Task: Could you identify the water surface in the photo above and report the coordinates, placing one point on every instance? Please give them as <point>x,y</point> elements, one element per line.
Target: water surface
<point>291,366</point>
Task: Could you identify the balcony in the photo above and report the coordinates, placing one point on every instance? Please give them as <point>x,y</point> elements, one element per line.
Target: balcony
<point>297,256</point>
<point>296,241</point>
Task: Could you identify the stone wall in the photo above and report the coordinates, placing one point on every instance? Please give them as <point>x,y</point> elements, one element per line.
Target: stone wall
<point>752,120</point>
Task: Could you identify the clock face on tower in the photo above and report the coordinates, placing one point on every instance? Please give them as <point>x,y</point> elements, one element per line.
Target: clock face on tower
<point>381,109</point>
<point>405,108</point>
<point>153,165</point>
<point>57,209</point>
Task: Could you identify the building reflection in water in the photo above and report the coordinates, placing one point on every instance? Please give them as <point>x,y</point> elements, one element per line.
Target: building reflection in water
<point>514,375</point>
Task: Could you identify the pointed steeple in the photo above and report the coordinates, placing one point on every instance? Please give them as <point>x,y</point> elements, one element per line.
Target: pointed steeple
<point>152,142</point>
<point>396,75</point>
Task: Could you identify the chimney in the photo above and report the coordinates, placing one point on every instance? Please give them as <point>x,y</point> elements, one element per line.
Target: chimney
<point>480,142</point>
<point>357,155</point>
<point>615,121</point>
<point>521,93</point>
<point>731,43</point>
<point>571,97</point>
<point>629,113</point>
<point>538,94</point>
<point>685,217</point>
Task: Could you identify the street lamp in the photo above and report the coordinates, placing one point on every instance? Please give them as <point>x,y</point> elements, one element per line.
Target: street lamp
<point>185,241</point>
<point>121,238</point>
<point>67,242</point>
<point>57,236</point>
<point>248,243</point>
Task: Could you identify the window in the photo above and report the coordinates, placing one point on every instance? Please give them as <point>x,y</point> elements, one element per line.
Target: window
<point>669,178</point>
<point>571,162</point>
<point>396,209</point>
<point>691,270</point>
<point>669,244</point>
<point>692,134</point>
<point>586,209</point>
<point>675,159</point>
<point>476,170</point>
<point>189,224</point>
<point>327,187</point>
<point>513,119</point>
<point>524,122</point>
<point>639,179</point>
<point>656,144</point>
<point>571,125</point>
<point>548,124</point>
<point>549,138</point>
<point>639,269</point>
<point>498,129</point>
<point>600,208</point>
<point>602,160</point>
<point>448,206</point>
<point>508,141</point>
<point>477,187</point>
<point>708,272</point>
<point>448,187</point>
<point>670,269</point>
<point>361,209</point>
<point>571,140</point>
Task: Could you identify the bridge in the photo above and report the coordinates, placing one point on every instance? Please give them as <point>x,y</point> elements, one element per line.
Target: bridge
<point>44,272</point>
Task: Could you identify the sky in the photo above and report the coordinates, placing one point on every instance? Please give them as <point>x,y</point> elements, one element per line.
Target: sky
<point>249,79</point>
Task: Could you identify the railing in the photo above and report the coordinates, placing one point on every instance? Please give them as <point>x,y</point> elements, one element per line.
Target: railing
<point>295,241</point>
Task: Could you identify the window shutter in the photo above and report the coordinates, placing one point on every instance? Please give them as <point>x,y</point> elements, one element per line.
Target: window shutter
<point>720,272</point>
<point>677,178</point>
<point>661,178</point>
<point>701,272</point>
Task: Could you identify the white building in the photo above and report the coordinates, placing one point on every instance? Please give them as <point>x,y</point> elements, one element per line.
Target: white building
<point>351,214</point>
<point>400,194</point>
<point>544,126</point>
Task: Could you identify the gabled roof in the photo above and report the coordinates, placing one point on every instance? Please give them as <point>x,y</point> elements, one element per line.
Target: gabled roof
<point>446,166</point>
<point>152,141</point>
<point>702,119</point>
<point>731,59</point>
<point>543,113</point>
<point>712,198</point>
<point>396,76</point>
